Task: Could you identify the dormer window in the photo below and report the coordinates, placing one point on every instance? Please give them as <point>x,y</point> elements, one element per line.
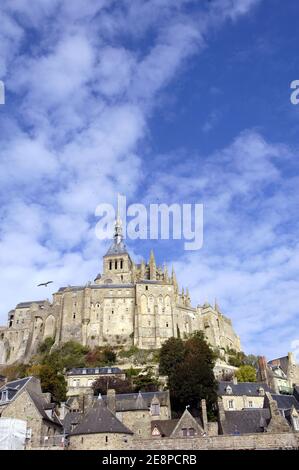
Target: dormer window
<point>155,409</point>
<point>229,390</point>
<point>261,391</point>
<point>4,395</point>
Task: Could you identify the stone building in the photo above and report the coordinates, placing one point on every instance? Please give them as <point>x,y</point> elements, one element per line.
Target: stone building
<point>280,374</point>
<point>136,411</point>
<point>252,421</point>
<point>238,396</point>
<point>185,426</point>
<point>23,399</point>
<point>80,379</point>
<point>127,304</point>
<point>100,429</point>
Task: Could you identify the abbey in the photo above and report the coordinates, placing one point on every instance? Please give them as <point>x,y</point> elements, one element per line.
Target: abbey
<point>128,304</point>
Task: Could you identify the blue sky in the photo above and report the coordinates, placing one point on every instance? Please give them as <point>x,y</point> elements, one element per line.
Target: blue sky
<point>163,101</point>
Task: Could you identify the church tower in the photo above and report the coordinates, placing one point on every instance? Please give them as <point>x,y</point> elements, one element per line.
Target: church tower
<point>117,264</point>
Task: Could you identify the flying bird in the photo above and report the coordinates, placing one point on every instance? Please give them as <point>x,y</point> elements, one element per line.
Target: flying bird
<point>44,283</point>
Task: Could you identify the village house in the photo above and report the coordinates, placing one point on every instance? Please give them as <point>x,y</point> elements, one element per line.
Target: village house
<point>80,379</point>
<point>23,399</point>
<point>238,396</point>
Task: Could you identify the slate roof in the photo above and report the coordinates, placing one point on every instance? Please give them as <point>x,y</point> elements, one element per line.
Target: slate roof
<point>165,426</point>
<point>281,362</point>
<point>99,419</point>
<point>71,419</point>
<point>138,401</point>
<point>285,402</point>
<point>117,249</point>
<point>95,371</point>
<point>246,421</point>
<point>296,392</point>
<point>242,388</point>
<point>41,404</point>
<point>14,387</point>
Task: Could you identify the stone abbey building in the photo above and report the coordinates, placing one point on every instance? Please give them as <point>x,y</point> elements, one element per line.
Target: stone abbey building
<point>128,304</point>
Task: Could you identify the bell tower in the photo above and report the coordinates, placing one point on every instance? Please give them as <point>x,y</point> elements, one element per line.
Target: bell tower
<point>117,264</point>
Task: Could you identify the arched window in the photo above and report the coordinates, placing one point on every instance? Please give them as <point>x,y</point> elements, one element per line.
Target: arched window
<point>121,264</point>
<point>115,264</point>
<point>110,264</point>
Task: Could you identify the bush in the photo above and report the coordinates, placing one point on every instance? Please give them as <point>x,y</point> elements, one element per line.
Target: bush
<point>46,345</point>
<point>246,373</point>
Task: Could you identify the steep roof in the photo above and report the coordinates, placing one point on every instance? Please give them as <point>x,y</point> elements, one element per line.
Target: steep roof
<point>167,426</point>
<point>99,419</point>
<point>242,388</point>
<point>280,361</point>
<point>246,421</point>
<point>164,426</point>
<point>117,248</point>
<point>285,402</point>
<point>14,387</point>
<point>138,401</point>
<point>41,404</point>
<point>72,418</point>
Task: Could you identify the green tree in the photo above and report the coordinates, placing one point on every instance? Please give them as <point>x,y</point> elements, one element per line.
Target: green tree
<point>146,381</point>
<point>70,354</point>
<point>102,384</point>
<point>246,373</point>
<point>192,378</point>
<point>251,360</point>
<point>51,381</point>
<point>171,354</point>
<point>100,356</point>
<point>45,346</point>
<point>196,371</point>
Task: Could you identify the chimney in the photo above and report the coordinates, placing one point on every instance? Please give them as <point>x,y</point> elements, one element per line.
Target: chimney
<point>88,400</point>
<point>221,413</point>
<point>235,380</point>
<point>204,415</point>
<point>111,400</point>
<point>262,366</point>
<point>277,423</point>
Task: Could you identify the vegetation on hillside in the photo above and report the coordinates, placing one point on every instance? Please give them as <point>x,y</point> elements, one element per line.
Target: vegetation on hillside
<point>50,364</point>
<point>189,366</point>
<point>145,381</point>
<point>246,373</point>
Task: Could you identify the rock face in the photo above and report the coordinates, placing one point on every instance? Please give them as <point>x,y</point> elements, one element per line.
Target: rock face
<point>128,304</point>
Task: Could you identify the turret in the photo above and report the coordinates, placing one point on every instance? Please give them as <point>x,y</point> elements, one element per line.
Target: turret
<point>166,278</point>
<point>117,264</point>
<point>152,266</point>
<point>174,280</point>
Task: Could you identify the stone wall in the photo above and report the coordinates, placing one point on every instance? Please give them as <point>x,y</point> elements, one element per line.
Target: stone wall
<point>107,441</point>
<point>247,441</point>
